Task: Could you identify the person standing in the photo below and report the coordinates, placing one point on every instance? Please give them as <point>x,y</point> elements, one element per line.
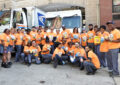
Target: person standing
<point>114,45</point>
<point>90,36</point>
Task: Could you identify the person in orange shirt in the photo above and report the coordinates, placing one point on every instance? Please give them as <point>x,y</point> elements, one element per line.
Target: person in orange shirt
<point>90,36</point>
<point>104,45</point>
<point>114,45</point>
<point>75,36</point>
<point>33,33</point>
<point>34,53</point>
<point>18,42</point>
<point>65,44</point>
<point>6,54</point>
<point>43,37</point>
<point>58,38</point>
<point>65,33</point>
<point>84,38</point>
<point>25,53</point>
<point>71,48</point>
<point>97,43</point>
<point>58,57</point>
<point>38,37</point>
<point>27,37</point>
<point>51,36</point>
<point>92,63</point>
<point>46,56</point>
<point>79,56</point>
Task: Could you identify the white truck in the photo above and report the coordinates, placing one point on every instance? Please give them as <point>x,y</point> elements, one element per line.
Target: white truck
<point>23,18</point>
<point>33,16</point>
<point>69,18</point>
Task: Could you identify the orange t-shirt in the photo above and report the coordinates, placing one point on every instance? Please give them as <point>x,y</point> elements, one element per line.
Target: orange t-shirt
<point>19,38</point>
<point>90,36</point>
<point>26,48</point>
<point>6,40</point>
<point>58,51</point>
<point>94,59</point>
<point>81,51</point>
<point>33,35</point>
<point>65,33</point>
<point>71,49</point>
<point>12,40</point>
<point>27,38</point>
<point>59,38</point>
<point>43,36</point>
<point>84,39</point>
<point>35,50</point>
<point>76,37</point>
<point>46,48</point>
<point>104,44</point>
<point>38,38</point>
<point>51,36</point>
<point>1,37</point>
<point>114,35</point>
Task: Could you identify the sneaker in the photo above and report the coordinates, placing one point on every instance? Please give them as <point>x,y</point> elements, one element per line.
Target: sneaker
<point>29,64</point>
<point>89,73</point>
<point>5,65</point>
<point>10,63</point>
<point>110,74</point>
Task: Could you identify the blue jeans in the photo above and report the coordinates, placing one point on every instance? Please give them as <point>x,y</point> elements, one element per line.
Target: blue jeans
<point>11,48</point>
<point>31,56</point>
<point>112,61</point>
<point>59,59</point>
<point>97,52</point>
<point>18,52</point>
<point>103,59</point>
<point>52,49</point>
<point>1,48</point>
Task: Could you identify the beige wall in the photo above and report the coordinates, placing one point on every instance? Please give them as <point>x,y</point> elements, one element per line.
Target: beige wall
<point>91,6</point>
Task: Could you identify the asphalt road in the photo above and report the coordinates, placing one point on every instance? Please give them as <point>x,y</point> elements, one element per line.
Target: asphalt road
<point>20,74</point>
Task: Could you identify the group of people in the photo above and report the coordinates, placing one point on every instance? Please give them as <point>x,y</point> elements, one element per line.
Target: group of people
<point>92,50</point>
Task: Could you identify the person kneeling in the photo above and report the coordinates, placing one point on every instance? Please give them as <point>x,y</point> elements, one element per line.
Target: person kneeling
<point>32,52</point>
<point>92,63</point>
<point>58,57</point>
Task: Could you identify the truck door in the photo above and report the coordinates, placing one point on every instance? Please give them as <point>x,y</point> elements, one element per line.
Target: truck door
<point>18,19</point>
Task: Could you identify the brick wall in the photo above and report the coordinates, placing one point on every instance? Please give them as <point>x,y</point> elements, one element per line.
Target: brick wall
<point>106,12</point>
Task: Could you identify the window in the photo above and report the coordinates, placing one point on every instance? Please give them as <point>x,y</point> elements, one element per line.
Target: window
<point>71,22</point>
<point>116,9</point>
<point>116,6</point>
<point>4,17</point>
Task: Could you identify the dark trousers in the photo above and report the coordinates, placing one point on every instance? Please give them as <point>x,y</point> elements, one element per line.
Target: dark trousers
<point>90,68</point>
<point>47,58</point>
<point>59,59</point>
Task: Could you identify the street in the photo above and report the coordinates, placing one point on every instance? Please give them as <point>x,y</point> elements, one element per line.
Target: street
<point>20,74</point>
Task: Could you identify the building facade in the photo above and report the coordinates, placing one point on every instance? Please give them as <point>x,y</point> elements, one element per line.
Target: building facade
<point>97,12</point>
<point>110,10</point>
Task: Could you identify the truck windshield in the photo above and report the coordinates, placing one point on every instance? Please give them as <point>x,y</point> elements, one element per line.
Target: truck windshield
<point>4,17</point>
<point>68,22</point>
<point>71,22</point>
